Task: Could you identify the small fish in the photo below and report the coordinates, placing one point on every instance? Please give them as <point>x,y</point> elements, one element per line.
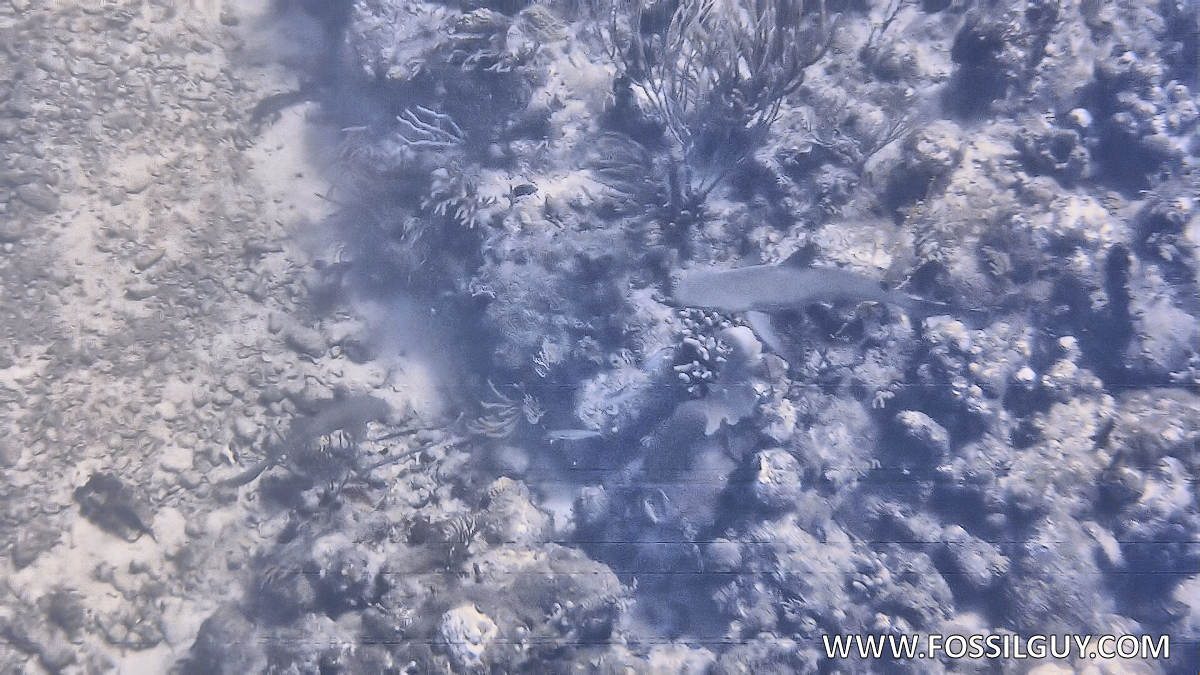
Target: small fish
<point>348,415</point>
<point>571,434</point>
<point>112,506</point>
<point>517,191</point>
<point>524,190</point>
<point>273,105</point>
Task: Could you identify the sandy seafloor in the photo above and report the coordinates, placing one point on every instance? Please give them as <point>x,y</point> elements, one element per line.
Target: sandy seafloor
<point>399,336</point>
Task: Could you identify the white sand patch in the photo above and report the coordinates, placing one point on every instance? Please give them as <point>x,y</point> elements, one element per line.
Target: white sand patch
<point>282,161</point>
<point>169,249</point>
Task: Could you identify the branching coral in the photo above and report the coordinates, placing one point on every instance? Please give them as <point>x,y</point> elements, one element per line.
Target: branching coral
<point>715,76</point>
<point>503,414</point>
<point>842,134</point>
<point>808,587</point>
<point>428,129</point>
<point>456,197</point>
<point>490,41</point>
<point>719,63</point>
<point>627,169</point>
<point>703,353</point>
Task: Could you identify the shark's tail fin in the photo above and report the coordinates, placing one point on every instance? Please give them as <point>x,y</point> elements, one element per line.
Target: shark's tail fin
<point>921,308</point>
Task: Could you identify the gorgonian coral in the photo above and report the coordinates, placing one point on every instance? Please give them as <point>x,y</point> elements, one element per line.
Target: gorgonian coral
<point>714,75</point>
<point>456,197</point>
<point>718,65</point>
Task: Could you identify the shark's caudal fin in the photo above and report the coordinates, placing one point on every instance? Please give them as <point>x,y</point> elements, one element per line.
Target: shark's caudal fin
<point>975,318</point>
<point>921,308</point>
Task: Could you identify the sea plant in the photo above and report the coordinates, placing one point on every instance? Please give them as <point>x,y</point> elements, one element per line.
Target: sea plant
<point>714,74</point>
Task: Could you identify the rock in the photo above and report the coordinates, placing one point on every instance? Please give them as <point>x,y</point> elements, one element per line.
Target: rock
<point>199,397</point>
<point>923,432</point>
<point>10,454</point>
<point>775,478</point>
<point>52,63</point>
<point>177,630</point>
<point>310,397</point>
<point>62,606</point>
<point>271,394</point>
<point>357,351</point>
<point>235,384</point>
<point>465,634</point>
<point>32,541</point>
<point>221,397</point>
<point>166,410</point>
<point>38,196</point>
<point>780,419</point>
<point>722,555</point>
<point>34,638</point>
<point>1025,378</point>
<point>979,563</point>
<point>293,389</point>
<point>122,120</point>
<point>111,505</point>
<point>281,598</point>
<point>348,573</point>
<point>306,341</point>
<point>933,150</point>
<point>1050,669</point>
<point>137,180</point>
<point>144,260</point>
<point>225,645</point>
<point>511,516</point>
<point>1165,333</point>
<point>1053,151</point>
<point>113,195</point>
<point>12,230</point>
<point>170,527</point>
<point>140,290</point>
<point>56,654</point>
<point>1152,425</point>
<point>592,504</point>
<point>245,429</point>
<point>176,459</point>
<point>190,479</point>
<point>679,658</point>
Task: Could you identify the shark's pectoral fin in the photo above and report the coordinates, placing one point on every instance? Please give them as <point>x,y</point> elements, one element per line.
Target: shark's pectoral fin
<point>764,327</point>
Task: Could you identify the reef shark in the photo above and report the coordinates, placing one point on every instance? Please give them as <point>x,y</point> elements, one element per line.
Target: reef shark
<point>759,290</point>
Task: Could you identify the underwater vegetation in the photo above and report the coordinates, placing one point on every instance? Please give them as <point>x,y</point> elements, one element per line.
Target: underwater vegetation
<point>787,318</point>
<point>703,83</point>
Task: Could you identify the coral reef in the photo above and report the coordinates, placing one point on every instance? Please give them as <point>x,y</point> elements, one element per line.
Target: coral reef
<point>748,323</point>
<point>818,326</point>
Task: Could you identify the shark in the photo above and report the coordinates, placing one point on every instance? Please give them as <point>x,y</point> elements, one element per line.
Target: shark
<point>761,290</point>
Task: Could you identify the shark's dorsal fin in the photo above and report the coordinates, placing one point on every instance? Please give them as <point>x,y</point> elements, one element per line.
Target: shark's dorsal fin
<point>802,257</point>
